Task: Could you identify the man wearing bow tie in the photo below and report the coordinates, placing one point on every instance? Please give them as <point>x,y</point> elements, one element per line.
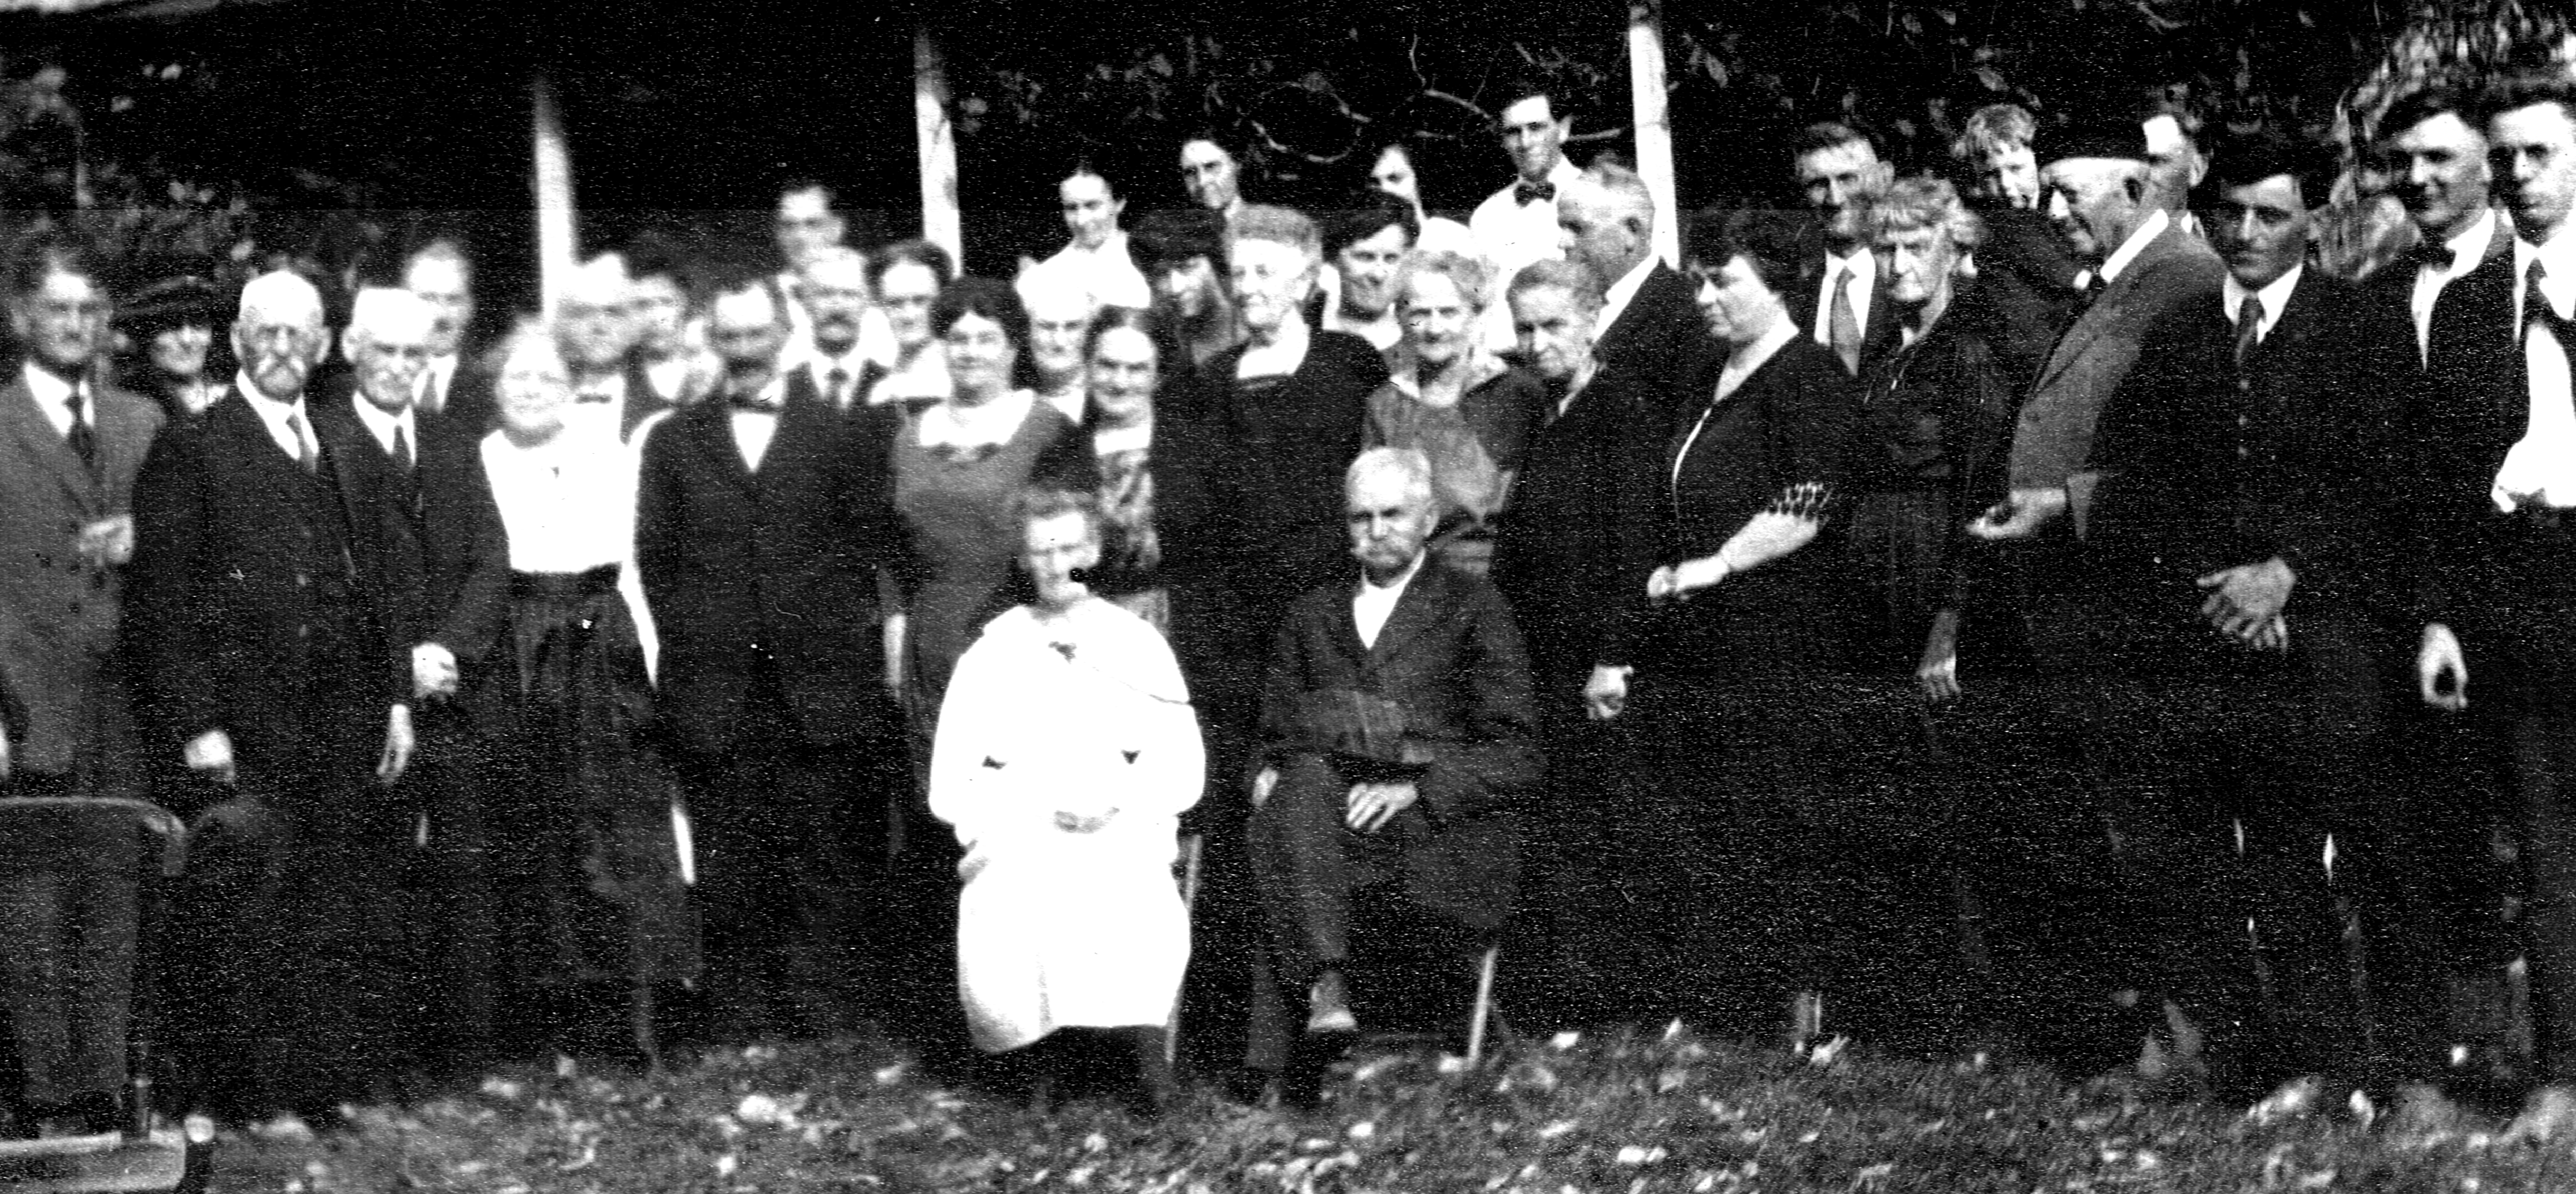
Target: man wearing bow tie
<point>2492,490</point>
<point>1517,225</point>
<point>1837,300</point>
<point>595,328</point>
<point>69,449</point>
<point>255,620</point>
<point>761,521</point>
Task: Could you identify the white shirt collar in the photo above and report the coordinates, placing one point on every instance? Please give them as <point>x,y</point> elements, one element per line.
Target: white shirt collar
<point>1109,441</point>
<point>2148,229</point>
<point>275,414</point>
<point>1614,301</point>
<point>995,422</point>
<point>2275,296</point>
<point>382,425</point>
<point>2470,247</point>
<point>53,398</point>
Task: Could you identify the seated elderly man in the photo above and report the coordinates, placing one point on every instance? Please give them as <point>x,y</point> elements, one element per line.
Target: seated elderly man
<point>1397,734</point>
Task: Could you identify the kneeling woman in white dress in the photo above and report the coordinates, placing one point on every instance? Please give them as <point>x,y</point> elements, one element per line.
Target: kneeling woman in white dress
<point>1067,751</point>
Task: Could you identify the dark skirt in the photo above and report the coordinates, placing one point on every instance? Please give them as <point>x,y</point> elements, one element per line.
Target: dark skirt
<point>579,864</point>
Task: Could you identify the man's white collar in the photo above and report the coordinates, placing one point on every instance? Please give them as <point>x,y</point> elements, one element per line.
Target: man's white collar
<point>2148,229</point>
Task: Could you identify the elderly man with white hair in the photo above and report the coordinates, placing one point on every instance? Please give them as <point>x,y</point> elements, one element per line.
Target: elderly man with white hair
<point>1060,311</point>
<point>1397,739</point>
<point>257,630</point>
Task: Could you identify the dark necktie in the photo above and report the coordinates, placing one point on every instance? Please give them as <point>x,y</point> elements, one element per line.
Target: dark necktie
<point>402,449</point>
<point>836,386</point>
<point>2535,305</point>
<point>84,442</point>
<point>2434,255</point>
<point>1843,324</point>
<point>1526,193</point>
<point>2249,327</point>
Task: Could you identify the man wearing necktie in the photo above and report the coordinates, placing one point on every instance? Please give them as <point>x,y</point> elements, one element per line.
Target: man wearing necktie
<point>761,522</point>
<point>255,618</point>
<point>452,388</point>
<point>2233,555</point>
<point>1838,169</point>
<point>2490,489</point>
<point>1517,224</point>
<point>841,366</point>
<point>69,450</point>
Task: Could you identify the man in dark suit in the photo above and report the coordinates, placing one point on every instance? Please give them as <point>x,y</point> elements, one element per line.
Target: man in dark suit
<point>761,522</point>
<point>1397,738</point>
<point>1837,299</point>
<point>595,330</point>
<point>2491,484</point>
<point>453,387</point>
<point>1648,333</point>
<point>69,451</point>
<point>843,366</point>
<point>253,615</point>
<point>443,592</point>
<point>2230,556</point>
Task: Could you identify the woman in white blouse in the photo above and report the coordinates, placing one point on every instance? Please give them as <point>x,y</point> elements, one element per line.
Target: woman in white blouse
<point>582,868</point>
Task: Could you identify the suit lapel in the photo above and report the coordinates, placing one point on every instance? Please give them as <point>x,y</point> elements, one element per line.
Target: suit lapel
<point>2106,307</point>
<point>1413,611</point>
<point>716,448</point>
<point>37,443</point>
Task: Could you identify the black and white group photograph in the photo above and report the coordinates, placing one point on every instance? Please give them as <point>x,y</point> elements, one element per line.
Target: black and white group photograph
<point>1605,597</point>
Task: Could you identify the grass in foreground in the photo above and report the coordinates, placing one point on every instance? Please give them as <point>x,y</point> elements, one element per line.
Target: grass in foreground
<point>1660,1112</point>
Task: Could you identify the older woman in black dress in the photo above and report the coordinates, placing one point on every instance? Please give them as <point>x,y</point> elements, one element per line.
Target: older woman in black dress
<point>1731,660</point>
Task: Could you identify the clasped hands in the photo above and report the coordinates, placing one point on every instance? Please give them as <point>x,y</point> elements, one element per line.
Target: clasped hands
<point>2245,603</point>
<point>1366,808</point>
<point>106,543</point>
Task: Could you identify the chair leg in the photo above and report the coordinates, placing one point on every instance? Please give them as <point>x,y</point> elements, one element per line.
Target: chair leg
<point>1484,1005</point>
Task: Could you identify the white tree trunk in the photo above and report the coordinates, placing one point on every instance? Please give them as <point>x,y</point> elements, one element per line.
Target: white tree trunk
<point>557,250</point>
<point>940,222</point>
<point>1653,124</point>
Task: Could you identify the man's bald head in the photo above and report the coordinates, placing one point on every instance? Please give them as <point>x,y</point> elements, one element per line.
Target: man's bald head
<point>278,334</point>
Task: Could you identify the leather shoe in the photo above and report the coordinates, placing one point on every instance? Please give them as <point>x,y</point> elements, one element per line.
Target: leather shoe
<point>1328,1005</point>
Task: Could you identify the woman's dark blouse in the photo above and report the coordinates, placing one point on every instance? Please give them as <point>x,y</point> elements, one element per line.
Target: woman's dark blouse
<point>1777,442</point>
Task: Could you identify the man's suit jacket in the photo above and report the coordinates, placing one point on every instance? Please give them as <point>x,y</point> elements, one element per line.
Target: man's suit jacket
<point>1451,657</point>
<point>2205,466</point>
<point>1877,339</point>
<point>471,404</point>
<point>1579,535</point>
<point>59,615</point>
<point>774,569</point>
<point>2028,280</point>
<point>250,600</point>
<point>447,560</point>
<point>2054,433</point>
<point>1656,344</point>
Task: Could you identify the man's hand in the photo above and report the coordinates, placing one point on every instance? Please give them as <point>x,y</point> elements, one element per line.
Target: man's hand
<point>398,744</point>
<point>1605,695</point>
<point>2442,669</point>
<point>1073,822</point>
<point>1373,805</point>
<point>1937,674</point>
<point>108,542</point>
<point>2246,599</point>
<point>2022,515</point>
<point>1263,784</point>
<point>211,754</point>
<point>433,671</point>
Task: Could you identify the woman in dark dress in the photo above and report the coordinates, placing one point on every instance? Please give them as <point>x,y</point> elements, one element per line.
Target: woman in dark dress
<point>1732,656</point>
<point>170,327</point>
<point>1470,412</point>
<point>1936,418</point>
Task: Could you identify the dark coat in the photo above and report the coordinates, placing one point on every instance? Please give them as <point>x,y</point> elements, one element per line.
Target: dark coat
<point>447,559</point>
<point>2028,279</point>
<point>58,615</point>
<point>1451,657</point>
<point>2207,466</point>
<point>472,406</point>
<point>250,601</point>
<point>1656,345</point>
<point>1578,538</point>
<point>774,569</point>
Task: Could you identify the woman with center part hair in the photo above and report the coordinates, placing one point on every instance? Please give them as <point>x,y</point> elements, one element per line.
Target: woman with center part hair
<point>1470,412</point>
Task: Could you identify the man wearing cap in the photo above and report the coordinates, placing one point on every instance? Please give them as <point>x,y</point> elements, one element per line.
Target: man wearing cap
<point>69,450</point>
<point>2093,181</point>
<point>254,619</point>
